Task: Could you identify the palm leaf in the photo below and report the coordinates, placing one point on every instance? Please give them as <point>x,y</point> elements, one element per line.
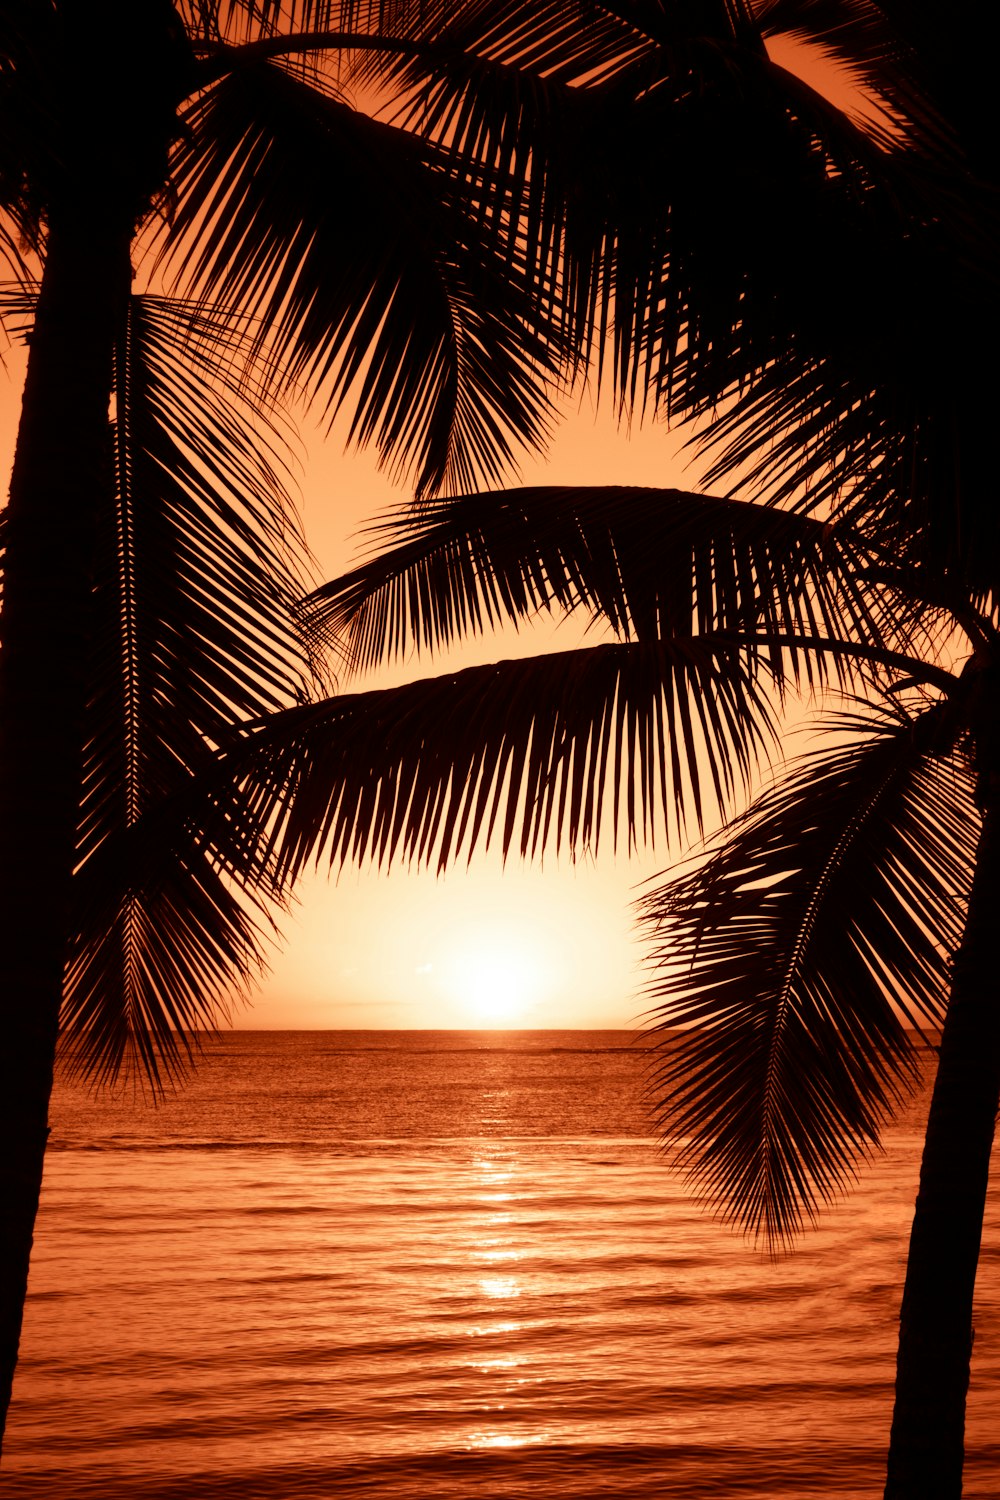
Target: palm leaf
<point>362,255</point>
<point>199,565</point>
<point>670,175</point>
<point>569,41</point>
<point>705,194</point>
<point>163,950</point>
<point>874,50</point>
<point>242,20</point>
<point>792,962</point>
<point>522,752</point>
<point>689,183</point>
<point>651,563</point>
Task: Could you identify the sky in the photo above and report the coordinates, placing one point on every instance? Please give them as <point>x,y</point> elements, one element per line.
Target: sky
<point>543,944</point>
<point>547,944</point>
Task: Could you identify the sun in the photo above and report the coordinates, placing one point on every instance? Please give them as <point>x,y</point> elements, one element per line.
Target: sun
<point>495,986</point>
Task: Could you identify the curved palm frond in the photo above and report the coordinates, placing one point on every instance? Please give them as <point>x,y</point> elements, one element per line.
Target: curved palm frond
<point>666,156</point>
<point>156,961</point>
<point>796,957</point>
<point>686,185</point>
<point>654,564</point>
<point>706,196</point>
<point>198,567</point>
<point>366,261</point>
<point>568,41</point>
<point>859,37</point>
<point>521,752</point>
<point>879,456</point>
<point>787,332</point>
<point>238,20</point>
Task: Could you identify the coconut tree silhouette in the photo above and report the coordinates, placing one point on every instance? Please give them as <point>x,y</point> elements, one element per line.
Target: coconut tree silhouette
<point>851,898</point>
<point>560,181</point>
<point>152,564</point>
<point>850,904</point>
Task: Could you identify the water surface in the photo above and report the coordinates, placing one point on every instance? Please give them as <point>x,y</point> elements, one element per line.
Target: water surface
<point>417,1265</point>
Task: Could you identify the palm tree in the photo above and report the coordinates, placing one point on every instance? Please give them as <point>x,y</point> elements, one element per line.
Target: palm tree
<point>152,565</point>
<point>561,179</point>
<point>832,362</point>
<point>836,922</point>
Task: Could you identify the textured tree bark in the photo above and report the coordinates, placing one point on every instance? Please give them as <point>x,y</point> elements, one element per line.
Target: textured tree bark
<point>926,1450</point>
<point>115,75</point>
<point>60,476</point>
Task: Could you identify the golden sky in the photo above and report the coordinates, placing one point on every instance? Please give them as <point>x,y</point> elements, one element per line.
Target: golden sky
<point>545,944</point>
<point>548,944</point>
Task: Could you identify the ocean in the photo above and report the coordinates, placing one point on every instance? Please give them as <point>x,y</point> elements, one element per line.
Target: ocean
<point>432,1265</point>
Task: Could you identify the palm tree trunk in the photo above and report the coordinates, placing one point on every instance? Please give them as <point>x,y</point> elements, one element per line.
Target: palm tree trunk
<point>116,74</point>
<point>926,1449</point>
<point>60,474</point>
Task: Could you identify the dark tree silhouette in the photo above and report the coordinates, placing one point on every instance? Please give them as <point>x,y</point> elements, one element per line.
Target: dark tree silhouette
<point>151,561</point>
<point>814,293</point>
<point>640,184</point>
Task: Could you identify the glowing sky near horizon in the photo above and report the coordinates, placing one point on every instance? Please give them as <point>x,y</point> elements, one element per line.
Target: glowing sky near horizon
<point>543,944</point>
<point>547,944</point>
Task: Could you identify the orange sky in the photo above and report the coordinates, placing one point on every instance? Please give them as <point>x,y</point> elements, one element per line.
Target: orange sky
<point>547,944</point>
<point>542,945</point>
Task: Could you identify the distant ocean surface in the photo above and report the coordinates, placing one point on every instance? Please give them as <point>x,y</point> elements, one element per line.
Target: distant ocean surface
<point>412,1265</point>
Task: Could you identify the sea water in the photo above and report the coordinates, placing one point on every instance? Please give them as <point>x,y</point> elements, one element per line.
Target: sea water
<point>418,1265</point>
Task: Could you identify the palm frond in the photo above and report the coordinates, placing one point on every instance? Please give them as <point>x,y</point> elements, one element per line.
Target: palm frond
<point>864,41</point>
<point>651,563</point>
<point>198,568</point>
<point>707,196</point>
<point>792,962</point>
<point>473,46</point>
<point>669,200</point>
<point>527,753</point>
<point>665,155</point>
<point>164,949</point>
<point>363,257</point>
<point>240,20</point>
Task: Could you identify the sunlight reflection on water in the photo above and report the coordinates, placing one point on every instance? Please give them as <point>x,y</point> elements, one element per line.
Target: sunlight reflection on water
<point>499,1286</point>
<point>220,1312</point>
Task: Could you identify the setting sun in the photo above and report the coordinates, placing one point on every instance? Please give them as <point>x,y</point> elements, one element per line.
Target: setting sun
<point>494,984</point>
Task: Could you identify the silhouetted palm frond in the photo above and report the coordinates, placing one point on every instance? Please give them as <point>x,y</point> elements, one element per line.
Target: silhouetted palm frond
<point>794,959</point>
<point>702,196</point>
<point>237,19</point>
<point>653,564</point>
<point>199,566</point>
<point>156,963</point>
<point>363,256</point>
<point>525,752</point>
<point>858,36</point>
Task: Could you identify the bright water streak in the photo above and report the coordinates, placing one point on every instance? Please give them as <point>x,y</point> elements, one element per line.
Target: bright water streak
<point>408,1266</point>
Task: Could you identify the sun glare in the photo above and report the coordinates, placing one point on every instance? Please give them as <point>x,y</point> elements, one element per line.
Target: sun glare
<point>493,987</point>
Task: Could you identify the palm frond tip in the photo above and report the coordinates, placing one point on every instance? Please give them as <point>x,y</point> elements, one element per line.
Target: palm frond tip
<point>794,961</point>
